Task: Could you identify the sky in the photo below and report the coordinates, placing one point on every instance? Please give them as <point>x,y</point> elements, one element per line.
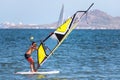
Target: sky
<point>47,11</point>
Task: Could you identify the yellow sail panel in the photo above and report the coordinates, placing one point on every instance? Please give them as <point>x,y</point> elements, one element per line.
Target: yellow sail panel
<point>63,28</point>
<point>41,54</point>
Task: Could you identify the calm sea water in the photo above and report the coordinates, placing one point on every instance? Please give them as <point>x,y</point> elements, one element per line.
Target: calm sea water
<point>84,55</point>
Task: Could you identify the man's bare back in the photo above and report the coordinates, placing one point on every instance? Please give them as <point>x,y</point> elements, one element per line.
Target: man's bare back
<point>31,49</point>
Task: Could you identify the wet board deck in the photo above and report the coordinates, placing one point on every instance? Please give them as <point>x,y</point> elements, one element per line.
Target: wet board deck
<point>43,72</point>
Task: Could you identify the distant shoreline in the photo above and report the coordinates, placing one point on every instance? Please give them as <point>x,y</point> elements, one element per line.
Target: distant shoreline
<point>54,29</point>
<point>96,20</point>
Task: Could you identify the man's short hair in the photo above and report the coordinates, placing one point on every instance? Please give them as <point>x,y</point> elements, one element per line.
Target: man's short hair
<point>33,43</point>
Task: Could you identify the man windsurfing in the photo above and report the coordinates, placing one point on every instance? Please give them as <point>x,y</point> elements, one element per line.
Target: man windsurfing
<point>29,58</point>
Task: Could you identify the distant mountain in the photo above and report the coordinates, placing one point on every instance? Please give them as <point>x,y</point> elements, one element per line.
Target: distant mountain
<point>100,20</point>
<point>96,19</point>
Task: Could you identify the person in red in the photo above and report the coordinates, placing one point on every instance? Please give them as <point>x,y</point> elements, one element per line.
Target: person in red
<point>29,58</point>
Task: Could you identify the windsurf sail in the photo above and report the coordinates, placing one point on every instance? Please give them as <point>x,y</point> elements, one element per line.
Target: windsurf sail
<point>54,40</point>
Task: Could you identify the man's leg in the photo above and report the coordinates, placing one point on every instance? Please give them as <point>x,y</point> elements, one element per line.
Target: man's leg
<point>32,65</point>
